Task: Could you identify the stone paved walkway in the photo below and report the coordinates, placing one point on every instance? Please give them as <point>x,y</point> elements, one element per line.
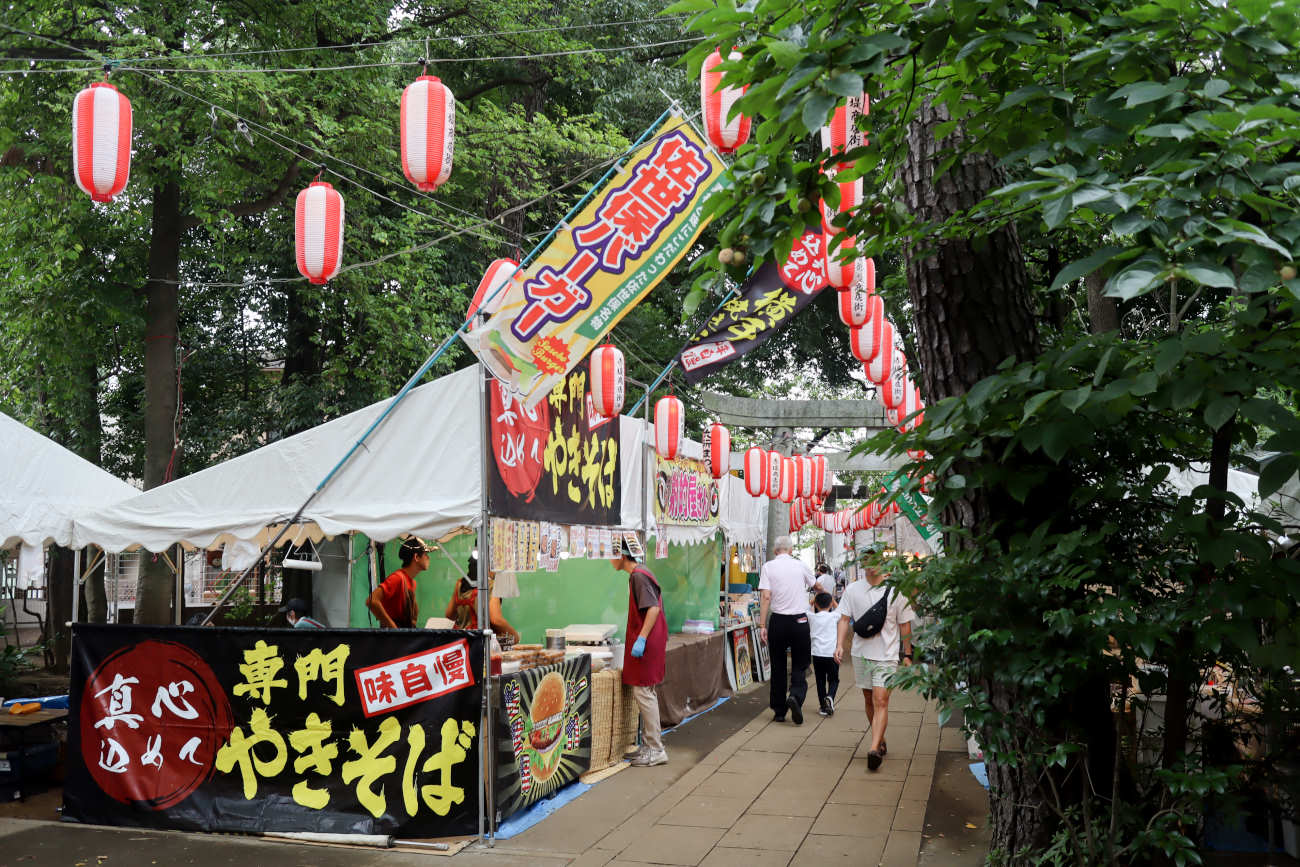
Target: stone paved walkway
<point>771,794</point>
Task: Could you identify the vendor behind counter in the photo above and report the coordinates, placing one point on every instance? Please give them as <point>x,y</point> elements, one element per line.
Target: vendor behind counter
<point>462,608</point>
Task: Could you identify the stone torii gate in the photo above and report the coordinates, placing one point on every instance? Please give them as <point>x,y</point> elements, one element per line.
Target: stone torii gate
<point>783,416</point>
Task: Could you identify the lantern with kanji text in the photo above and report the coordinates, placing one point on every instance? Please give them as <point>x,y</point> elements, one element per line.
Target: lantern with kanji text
<point>717,450</point>
<point>428,132</point>
<point>772,482</point>
<point>607,381</point>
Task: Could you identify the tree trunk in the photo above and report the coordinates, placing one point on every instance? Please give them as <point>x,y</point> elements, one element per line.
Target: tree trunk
<point>90,440</point>
<point>972,305</point>
<point>162,447</point>
<point>1103,312</point>
<point>62,584</point>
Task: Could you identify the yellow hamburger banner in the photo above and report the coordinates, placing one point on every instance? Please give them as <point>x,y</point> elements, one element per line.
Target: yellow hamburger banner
<point>600,264</point>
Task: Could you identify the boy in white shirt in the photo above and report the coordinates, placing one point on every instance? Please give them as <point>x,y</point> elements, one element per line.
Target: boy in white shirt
<point>823,623</point>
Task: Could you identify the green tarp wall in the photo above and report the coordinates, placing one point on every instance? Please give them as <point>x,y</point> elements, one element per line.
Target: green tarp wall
<point>582,591</point>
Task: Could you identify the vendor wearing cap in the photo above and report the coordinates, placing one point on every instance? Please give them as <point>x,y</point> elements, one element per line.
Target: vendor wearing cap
<point>393,601</point>
<point>644,664</point>
<point>462,608</point>
<point>295,611</point>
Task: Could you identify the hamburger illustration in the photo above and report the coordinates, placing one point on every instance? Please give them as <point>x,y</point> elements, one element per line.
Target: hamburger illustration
<point>547,730</point>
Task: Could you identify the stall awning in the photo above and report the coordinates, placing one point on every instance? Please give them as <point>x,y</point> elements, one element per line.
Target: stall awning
<point>43,486</point>
<point>419,472</point>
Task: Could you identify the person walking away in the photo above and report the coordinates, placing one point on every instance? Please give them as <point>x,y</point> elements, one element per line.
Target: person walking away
<point>881,618</point>
<point>645,661</point>
<point>295,611</point>
<point>823,624</point>
<point>783,585</point>
<point>393,601</point>
<point>825,582</point>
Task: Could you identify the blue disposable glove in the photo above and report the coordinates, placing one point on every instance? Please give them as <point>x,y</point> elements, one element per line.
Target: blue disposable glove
<point>638,647</point>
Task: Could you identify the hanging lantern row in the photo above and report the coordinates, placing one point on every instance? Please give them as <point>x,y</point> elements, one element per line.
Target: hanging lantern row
<point>727,130</point>
<point>101,162</point>
<point>606,376</point>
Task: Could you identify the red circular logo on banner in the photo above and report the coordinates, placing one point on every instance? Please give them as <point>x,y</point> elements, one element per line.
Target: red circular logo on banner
<point>152,719</point>
<point>519,438</point>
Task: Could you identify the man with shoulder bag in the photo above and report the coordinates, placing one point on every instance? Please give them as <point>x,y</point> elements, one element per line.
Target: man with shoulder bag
<point>881,619</point>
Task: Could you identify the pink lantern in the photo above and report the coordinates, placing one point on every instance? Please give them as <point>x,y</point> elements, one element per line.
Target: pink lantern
<point>607,380</point>
<point>101,140</point>
<point>318,232</point>
<point>670,425</point>
<point>727,131</point>
<point>853,302</point>
<point>717,448</point>
<point>428,132</point>
<point>755,471</point>
<point>788,480</point>
<point>491,290</point>
<point>881,366</point>
<point>772,483</point>
<point>842,133</point>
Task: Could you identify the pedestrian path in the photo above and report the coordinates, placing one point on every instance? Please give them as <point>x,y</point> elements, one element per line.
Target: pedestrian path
<point>771,794</point>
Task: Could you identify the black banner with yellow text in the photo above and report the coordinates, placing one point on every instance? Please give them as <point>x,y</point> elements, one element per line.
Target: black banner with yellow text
<point>337,731</point>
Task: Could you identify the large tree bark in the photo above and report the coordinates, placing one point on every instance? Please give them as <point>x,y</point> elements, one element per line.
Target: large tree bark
<point>154,594</point>
<point>1103,312</point>
<point>973,310</point>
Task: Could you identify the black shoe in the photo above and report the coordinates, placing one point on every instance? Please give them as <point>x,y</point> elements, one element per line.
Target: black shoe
<point>778,717</point>
<point>796,712</point>
<point>824,710</point>
<point>873,760</point>
<point>830,706</point>
<point>884,751</point>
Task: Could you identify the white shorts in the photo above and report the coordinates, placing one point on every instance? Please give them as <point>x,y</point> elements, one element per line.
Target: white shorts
<point>869,673</point>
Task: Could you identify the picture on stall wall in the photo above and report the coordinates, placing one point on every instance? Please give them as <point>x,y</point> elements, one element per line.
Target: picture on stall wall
<point>744,664</point>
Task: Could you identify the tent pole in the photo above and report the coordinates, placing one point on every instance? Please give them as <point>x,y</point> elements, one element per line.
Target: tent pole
<point>487,794</point>
<point>76,585</point>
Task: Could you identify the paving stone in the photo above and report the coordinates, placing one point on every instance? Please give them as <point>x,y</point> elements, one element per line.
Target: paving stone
<point>869,792</point>
<point>854,820</point>
<point>917,787</point>
<point>726,856</point>
<point>902,849</point>
<point>921,765</point>
<point>593,858</point>
<point>777,833</point>
<point>755,761</point>
<point>706,812</point>
<point>740,786</point>
<point>672,844</point>
<point>829,736</point>
<point>910,816</point>
<point>818,849</point>
<point>779,800</point>
<point>891,768</point>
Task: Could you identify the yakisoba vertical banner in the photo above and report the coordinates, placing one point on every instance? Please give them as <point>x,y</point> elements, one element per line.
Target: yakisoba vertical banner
<point>601,264</point>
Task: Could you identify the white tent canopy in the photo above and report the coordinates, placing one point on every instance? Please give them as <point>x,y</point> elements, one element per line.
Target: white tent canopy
<point>43,486</point>
<point>418,472</point>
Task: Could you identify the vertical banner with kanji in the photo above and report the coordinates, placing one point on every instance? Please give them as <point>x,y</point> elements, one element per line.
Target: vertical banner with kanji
<point>601,264</point>
<point>686,494</point>
<point>770,298</point>
<point>556,461</point>
<point>543,733</point>
<point>325,730</point>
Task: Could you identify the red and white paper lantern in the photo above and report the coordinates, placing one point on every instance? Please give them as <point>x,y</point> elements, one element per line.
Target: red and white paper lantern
<point>807,478</point>
<point>101,140</point>
<point>893,391</point>
<point>842,133</point>
<point>888,355</point>
<point>913,406</point>
<point>428,132</point>
<point>840,258</point>
<point>772,480</point>
<point>726,131</point>
<point>821,475</point>
<point>318,232</point>
<point>491,290</point>
<point>670,424</point>
<point>755,471</point>
<point>717,449</point>
<point>789,482</point>
<point>607,380</point>
<point>854,302</point>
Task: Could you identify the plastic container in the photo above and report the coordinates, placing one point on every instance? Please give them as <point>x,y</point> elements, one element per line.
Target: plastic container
<point>555,639</point>
<point>616,655</point>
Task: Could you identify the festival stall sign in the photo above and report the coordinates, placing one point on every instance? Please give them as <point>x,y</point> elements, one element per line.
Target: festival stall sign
<point>543,732</point>
<point>770,298</point>
<point>254,730</point>
<point>741,657</point>
<point>602,263</point>
<point>686,494</point>
<point>556,461</point>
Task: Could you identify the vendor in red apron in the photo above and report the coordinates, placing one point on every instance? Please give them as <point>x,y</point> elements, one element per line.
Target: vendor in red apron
<point>647,650</point>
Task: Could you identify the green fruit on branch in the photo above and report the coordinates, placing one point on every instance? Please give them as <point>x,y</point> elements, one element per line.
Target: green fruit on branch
<point>726,255</point>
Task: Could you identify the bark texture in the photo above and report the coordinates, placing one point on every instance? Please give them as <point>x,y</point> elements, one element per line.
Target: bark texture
<point>1103,312</point>
<point>973,310</point>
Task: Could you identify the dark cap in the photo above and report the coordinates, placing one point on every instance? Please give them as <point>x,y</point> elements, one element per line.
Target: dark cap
<point>411,548</point>
<point>297,606</point>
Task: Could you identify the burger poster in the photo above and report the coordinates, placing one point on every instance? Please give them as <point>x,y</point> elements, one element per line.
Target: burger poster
<point>544,736</point>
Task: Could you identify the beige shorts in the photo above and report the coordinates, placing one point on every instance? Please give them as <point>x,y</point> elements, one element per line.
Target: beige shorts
<point>868,673</point>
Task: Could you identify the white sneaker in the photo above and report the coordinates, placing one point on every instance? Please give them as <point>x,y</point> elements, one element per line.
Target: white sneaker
<point>650,758</point>
<point>629,755</point>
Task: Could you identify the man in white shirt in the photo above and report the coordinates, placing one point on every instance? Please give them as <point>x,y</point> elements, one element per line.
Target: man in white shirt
<point>875,659</point>
<point>783,586</point>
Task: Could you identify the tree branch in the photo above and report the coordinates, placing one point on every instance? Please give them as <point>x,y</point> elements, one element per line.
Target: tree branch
<point>257,206</point>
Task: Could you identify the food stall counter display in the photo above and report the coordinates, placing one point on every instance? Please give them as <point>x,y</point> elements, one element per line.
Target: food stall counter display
<point>589,633</point>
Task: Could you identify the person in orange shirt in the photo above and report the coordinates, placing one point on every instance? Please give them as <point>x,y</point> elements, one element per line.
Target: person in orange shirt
<point>393,601</point>
<point>462,608</point>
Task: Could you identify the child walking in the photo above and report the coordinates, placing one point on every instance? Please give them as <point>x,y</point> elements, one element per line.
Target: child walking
<point>822,623</point>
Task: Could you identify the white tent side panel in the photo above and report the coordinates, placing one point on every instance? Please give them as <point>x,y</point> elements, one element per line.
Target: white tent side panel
<point>43,486</point>
<point>418,472</point>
